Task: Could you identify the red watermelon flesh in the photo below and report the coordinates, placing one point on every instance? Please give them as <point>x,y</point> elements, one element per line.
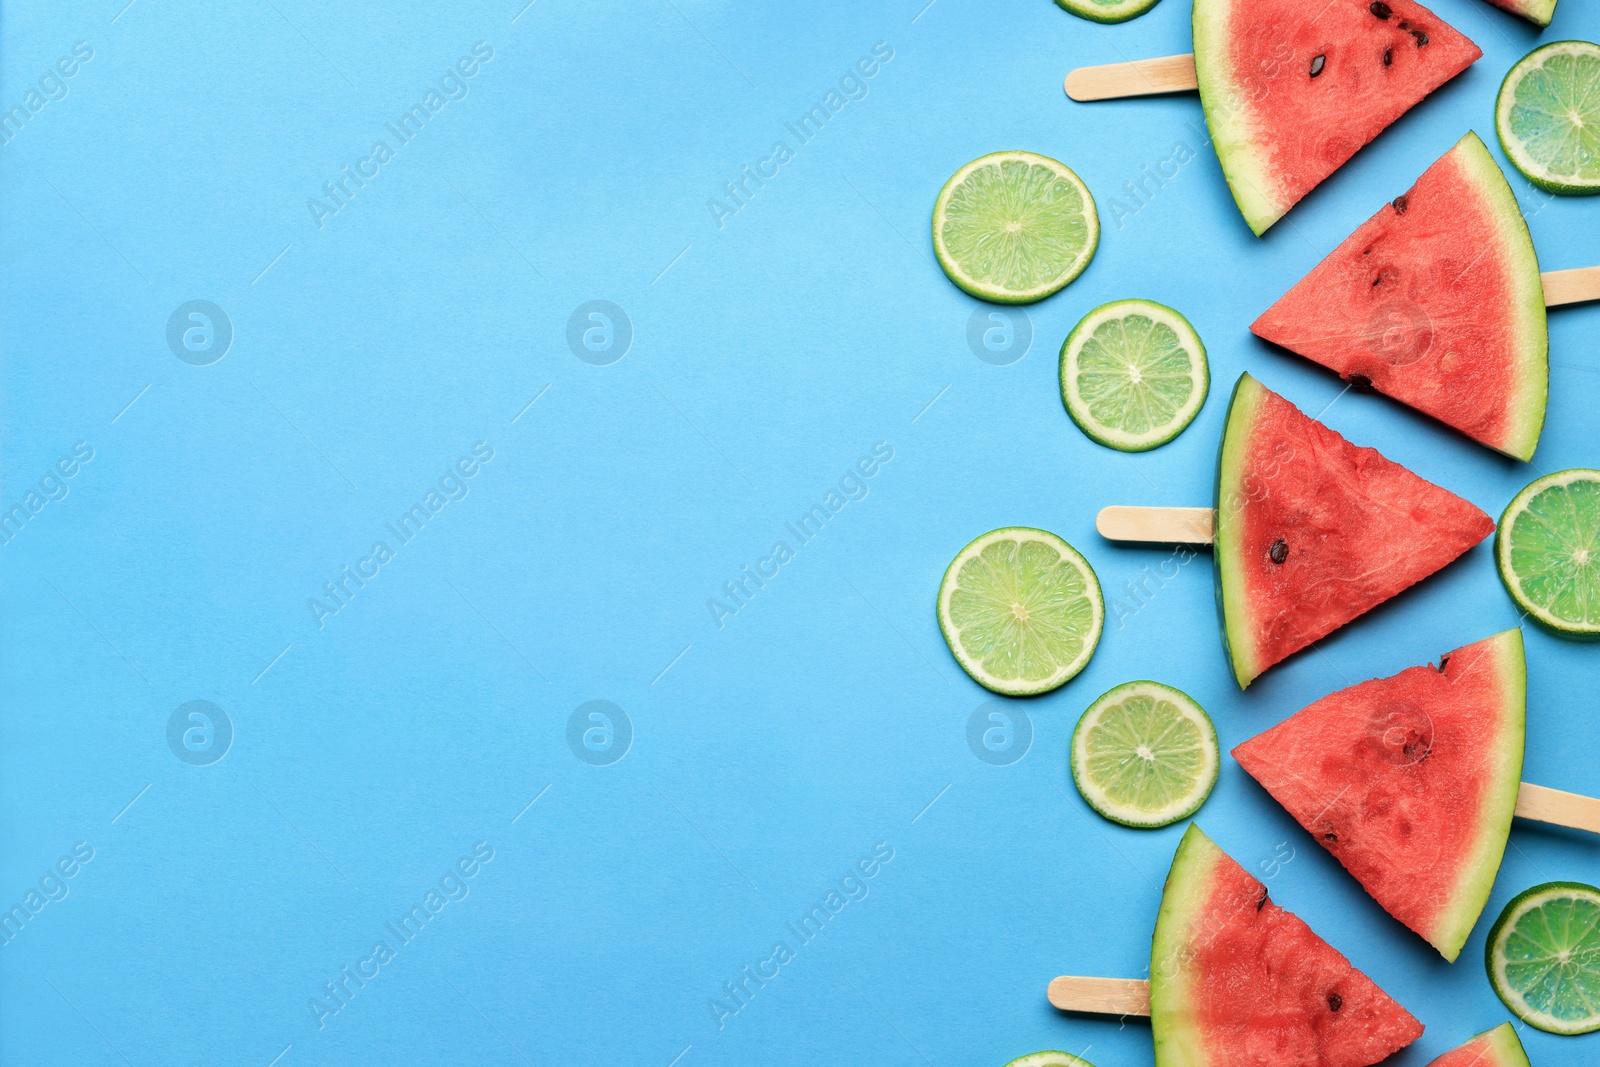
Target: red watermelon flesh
<point>1236,981</point>
<point>1435,301</point>
<point>1410,782</point>
<point>1293,88</point>
<point>1499,1047</point>
<point>1312,531</point>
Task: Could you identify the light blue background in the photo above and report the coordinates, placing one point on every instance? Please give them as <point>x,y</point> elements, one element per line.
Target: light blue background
<point>769,354</point>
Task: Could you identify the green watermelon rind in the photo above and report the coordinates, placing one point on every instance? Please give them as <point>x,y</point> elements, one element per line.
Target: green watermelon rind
<point>1232,597</point>
<point>1514,910</point>
<point>1179,1040</point>
<point>1227,113</point>
<point>1504,100</point>
<point>1107,13</point>
<point>1471,896</point>
<point>1526,412</point>
<point>1506,1047</point>
<point>1538,12</point>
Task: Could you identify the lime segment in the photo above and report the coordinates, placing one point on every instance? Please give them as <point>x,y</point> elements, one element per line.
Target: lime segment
<point>1107,10</point>
<point>1133,374</point>
<point>1050,1058</point>
<point>1544,957</point>
<point>1548,117</point>
<point>1021,611</point>
<point>1548,551</point>
<point>1014,227</point>
<point>1145,755</point>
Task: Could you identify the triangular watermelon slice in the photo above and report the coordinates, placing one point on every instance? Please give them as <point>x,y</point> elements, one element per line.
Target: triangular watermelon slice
<point>1499,1047</point>
<point>1435,301</point>
<point>1235,979</point>
<point>1538,12</point>
<point>1410,782</point>
<point>1292,88</point>
<point>1312,531</point>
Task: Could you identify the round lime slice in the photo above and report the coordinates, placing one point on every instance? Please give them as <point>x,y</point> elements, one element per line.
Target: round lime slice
<point>1014,227</point>
<point>1107,10</point>
<point>1548,551</point>
<point>1544,957</point>
<point>1548,117</point>
<point>1050,1058</point>
<point>1021,611</point>
<point>1145,755</point>
<point>1133,374</point>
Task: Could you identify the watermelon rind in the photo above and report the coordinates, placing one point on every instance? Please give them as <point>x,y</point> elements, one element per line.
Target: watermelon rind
<point>1536,172</point>
<point>1538,12</point>
<point>1506,534</point>
<point>1495,956</point>
<point>1504,1044</point>
<point>1227,115</point>
<point>1114,12</point>
<point>1050,1058</point>
<point>1233,600</point>
<point>1499,805</point>
<point>1526,410</point>
<point>1179,1040</point>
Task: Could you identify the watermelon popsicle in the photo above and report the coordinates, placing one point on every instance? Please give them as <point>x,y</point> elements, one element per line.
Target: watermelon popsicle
<point>1291,90</point>
<point>1236,979</point>
<point>1411,782</point>
<point>1437,301</point>
<point>1310,530</point>
<point>1499,1047</point>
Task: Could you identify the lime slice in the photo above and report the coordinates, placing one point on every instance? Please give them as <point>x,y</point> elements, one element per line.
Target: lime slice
<point>1107,10</point>
<point>1544,957</point>
<point>1548,549</point>
<point>1021,611</point>
<point>1133,374</point>
<point>1548,117</point>
<point>1145,755</point>
<point>1049,1058</point>
<point>1014,227</point>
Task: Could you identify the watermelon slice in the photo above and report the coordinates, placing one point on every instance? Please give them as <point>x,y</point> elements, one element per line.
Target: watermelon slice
<point>1538,12</point>
<point>1236,981</point>
<point>1435,301</point>
<point>1291,89</point>
<point>1410,782</point>
<point>1499,1047</point>
<point>1313,531</point>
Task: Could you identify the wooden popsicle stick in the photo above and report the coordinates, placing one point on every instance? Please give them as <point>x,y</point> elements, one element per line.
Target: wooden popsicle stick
<point>1101,996</point>
<point>1162,526</point>
<point>1571,286</point>
<point>1562,809</point>
<point>1142,77</point>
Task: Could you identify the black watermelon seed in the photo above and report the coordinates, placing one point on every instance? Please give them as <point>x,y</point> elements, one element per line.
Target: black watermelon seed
<point>1388,56</point>
<point>1279,551</point>
<point>1360,381</point>
<point>1380,9</point>
<point>1404,25</point>
<point>1335,1002</point>
<point>1316,65</point>
<point>1421,37</point>
<point>1400,204</point>
<point>1331,837</point>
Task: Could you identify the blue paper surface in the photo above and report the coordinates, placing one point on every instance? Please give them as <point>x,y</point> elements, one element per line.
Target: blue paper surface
<point>401,347</point>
